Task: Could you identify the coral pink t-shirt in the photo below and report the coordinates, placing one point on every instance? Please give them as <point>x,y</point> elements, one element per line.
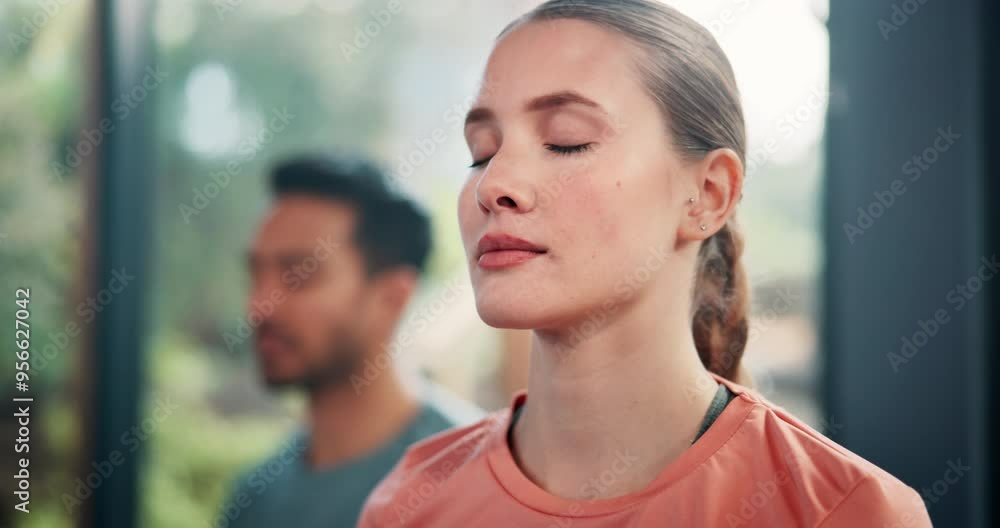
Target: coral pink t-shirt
<point>756,466</point>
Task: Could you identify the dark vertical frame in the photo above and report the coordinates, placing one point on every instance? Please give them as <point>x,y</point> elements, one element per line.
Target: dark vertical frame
<point>889,98</point>
<point>991,120</point>
<point>119,182</point>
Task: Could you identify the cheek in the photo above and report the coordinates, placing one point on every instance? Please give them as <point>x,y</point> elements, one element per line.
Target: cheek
<point>643,195</point>
<point>468,212</point>
<point>592,206</point>
<point>614,211</point>
<point>316,310</point>
<point>595,216</point>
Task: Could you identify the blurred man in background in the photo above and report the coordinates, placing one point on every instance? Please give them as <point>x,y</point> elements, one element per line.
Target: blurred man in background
<point>332,268</point>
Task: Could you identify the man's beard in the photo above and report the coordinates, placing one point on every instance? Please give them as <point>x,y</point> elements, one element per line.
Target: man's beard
<point>343,357</point>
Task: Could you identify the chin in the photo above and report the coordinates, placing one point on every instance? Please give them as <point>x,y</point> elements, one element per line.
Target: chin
<point>507,314</point>
<point>506,302</point>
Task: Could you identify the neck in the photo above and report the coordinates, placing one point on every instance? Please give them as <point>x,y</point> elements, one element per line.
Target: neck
<point>348,423</point>
<point>632,395</point>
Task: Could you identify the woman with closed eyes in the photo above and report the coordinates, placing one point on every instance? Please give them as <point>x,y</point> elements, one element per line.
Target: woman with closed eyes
<point>608,150</point>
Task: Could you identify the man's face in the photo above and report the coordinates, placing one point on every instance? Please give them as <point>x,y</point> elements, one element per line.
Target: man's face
<point>307,292</point>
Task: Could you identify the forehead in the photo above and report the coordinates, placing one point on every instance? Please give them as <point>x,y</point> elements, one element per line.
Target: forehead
<point>555,55</point>
<point>297,222</point>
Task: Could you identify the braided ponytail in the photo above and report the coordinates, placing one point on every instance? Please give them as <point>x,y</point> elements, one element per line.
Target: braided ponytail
<point>721,300</point>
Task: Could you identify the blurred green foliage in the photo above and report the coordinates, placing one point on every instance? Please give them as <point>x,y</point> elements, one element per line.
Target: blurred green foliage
<point>39,221</point>
<point>224,422</point>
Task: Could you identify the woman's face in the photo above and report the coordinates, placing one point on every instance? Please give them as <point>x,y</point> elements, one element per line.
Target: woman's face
<point>574,184</point>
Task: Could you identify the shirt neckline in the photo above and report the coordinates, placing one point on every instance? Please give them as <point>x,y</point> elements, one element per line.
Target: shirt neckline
<point>525,491</point>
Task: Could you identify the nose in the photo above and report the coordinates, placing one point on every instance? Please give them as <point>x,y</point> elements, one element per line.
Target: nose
<point>503,186</point>
<point>261,303</point>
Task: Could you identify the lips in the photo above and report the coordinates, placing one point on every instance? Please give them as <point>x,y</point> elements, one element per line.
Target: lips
<point>270,342</point>
<point>500,250</point>
<point>270,346</point>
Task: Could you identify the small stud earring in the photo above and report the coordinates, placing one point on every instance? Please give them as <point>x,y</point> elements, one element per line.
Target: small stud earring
<point>691,200</point>
<point>704,227</point>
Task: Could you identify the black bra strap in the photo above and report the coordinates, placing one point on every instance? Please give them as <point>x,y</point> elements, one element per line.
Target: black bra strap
<point>722,398</point>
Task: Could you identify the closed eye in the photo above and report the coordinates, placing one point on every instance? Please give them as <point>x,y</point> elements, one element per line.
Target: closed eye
<point>571,149</point>
<point>480,163</point>
<point>558,149</point>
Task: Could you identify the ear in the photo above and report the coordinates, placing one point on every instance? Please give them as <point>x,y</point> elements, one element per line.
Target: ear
<point>717,190</point>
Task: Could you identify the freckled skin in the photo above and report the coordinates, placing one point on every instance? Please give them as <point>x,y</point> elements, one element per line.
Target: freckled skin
<point>600,212</point>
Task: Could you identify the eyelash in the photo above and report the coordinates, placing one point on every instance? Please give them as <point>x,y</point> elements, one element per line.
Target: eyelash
<point>558,149</point>
<point>572,149</point>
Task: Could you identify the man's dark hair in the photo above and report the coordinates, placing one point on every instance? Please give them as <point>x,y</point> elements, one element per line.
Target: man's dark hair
<point>390,229</point>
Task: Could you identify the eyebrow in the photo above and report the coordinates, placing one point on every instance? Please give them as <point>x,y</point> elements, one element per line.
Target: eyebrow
<point>538,104</point>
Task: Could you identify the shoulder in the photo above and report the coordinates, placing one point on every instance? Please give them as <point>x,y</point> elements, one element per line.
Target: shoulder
<point>844,489</point>
<point>253,476</point>
<point>431,464</point>
<point>881,499</point>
